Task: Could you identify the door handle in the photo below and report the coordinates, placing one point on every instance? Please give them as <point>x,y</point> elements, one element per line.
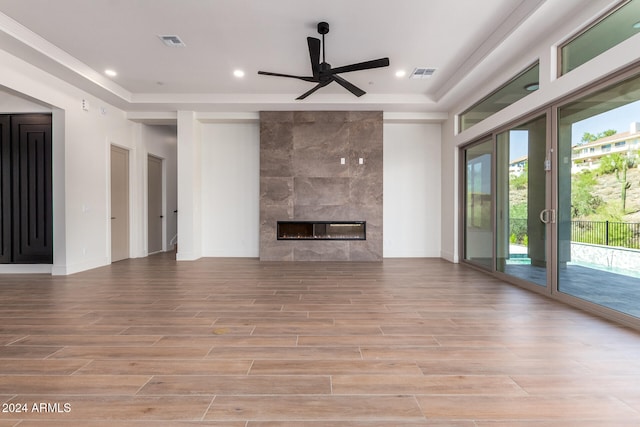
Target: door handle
<point>161,216</point>
<point>113,217</point>
<point>548,216</point>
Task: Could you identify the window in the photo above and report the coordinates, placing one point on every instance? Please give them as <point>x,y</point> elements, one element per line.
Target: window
<point>606,148</point>
<point>517,88</point>
<point>620,144</point>
<point>478,204</point>
<point>614,28</point>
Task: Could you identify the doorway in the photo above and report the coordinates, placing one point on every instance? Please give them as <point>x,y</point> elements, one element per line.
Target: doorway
<point>155,211</point>
<point>119,204</point>
<point>26,189</point>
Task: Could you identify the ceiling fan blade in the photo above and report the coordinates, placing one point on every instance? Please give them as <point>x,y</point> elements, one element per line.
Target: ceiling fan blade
<point>306,79</point>
<point>376,63</point>
<point>314,54</point>
<point>315,88</point>
<point>349,86</point>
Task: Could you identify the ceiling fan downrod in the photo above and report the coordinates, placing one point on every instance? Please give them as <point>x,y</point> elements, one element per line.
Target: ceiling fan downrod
<point>323,28</point>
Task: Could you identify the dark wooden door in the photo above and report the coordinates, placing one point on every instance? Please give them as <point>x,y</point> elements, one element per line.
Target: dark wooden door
<point>32,189</point>
<point>5,189</point>
<point>27,208</point>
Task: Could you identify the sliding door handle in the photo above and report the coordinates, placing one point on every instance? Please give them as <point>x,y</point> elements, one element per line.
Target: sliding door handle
<point>544,216</point>
<point>548,216</point>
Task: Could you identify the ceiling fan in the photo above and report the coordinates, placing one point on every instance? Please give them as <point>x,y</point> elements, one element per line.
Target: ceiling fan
<point>322,72</point>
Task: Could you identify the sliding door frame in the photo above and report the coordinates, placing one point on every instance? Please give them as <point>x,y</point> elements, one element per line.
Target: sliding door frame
<point>610,80</point>
<point>463,201</point>
<point>552,181</point>
<point>549,198</point>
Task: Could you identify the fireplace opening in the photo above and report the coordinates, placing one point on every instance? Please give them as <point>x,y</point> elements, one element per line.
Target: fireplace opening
<point>321,230</point>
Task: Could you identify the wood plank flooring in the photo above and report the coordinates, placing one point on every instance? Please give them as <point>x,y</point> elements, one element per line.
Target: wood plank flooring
<point>237,342</point>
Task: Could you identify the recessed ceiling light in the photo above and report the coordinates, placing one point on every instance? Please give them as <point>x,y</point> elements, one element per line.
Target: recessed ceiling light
<point>238,73</point>
<point>401,73</point>
<point>636,25</point>
<point>532,86</point>
<point>110,73</point>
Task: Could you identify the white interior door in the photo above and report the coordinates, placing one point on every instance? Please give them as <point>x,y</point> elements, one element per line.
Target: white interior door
<point>119,204</point>
<point>155,221</point>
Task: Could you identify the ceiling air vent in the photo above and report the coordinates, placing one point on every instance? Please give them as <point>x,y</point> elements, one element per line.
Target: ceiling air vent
<point>172,41</point>
<point>422,73</point>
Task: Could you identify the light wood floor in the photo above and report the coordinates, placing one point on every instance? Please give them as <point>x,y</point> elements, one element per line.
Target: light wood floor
<point>237,342</point>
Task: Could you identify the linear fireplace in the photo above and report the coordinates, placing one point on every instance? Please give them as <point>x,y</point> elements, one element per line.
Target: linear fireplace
<point>322,230</point>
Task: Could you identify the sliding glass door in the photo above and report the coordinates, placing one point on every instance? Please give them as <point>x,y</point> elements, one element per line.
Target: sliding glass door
<point>478,194</point>
<point>598,249</point>
<point>553,202</point>
<point>522,211</point>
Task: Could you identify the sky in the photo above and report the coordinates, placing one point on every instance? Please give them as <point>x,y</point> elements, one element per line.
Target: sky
<point>618,119</point>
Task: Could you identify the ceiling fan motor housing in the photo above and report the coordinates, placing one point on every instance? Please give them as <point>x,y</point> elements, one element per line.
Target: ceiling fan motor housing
<point>323,28</point>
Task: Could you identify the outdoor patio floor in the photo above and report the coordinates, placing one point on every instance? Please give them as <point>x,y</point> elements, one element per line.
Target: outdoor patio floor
<point>616,291</point>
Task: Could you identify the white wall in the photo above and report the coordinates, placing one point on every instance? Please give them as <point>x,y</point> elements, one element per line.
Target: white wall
<point>81,141</point>
<point>11,103</point>
<point>189,187</point>
<point>449,232</point>
<point>231,189</point>
<point>411,190</point>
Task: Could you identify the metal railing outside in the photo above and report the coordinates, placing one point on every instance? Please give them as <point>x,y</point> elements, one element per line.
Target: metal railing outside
<point>606,233</point>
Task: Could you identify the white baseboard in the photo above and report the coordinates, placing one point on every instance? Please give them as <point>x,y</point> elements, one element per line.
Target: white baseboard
<point>449,256</point>
<point>64,270</point>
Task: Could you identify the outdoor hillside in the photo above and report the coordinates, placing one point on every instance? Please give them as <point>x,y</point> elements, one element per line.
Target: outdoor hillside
<point>607,188</point>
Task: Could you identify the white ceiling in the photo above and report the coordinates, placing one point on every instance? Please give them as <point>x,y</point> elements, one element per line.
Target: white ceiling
<point>78,39</point>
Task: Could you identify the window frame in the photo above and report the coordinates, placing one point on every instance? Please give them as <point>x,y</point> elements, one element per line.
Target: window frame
<point>526,69</point>
<point>581,32</point>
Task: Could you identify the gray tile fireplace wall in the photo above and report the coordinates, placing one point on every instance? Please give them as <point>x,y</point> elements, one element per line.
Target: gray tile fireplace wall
<point>302,178</point>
